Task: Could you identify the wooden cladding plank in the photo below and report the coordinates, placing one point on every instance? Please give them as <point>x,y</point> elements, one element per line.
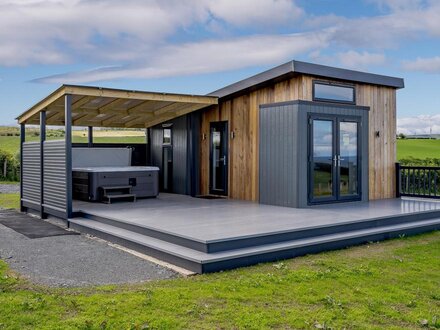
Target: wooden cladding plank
<point>208,116</point>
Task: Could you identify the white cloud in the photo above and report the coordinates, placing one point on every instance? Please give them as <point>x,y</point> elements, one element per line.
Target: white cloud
<point>386,31</point>
<point>426,65</point>
<point>251,12</point>
<point>423,124</point>
<point>204,57</point>
<point>50,31</point>
<point>350,59</point>
<point>399,5</point>
<point>136,38</point>
<point>360,60</point>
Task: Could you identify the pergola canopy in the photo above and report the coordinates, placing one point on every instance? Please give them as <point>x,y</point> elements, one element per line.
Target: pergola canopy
<point>106,107</point>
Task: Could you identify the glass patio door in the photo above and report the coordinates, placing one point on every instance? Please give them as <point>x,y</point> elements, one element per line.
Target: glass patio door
<point>218,173</point>
<point>334,171</point>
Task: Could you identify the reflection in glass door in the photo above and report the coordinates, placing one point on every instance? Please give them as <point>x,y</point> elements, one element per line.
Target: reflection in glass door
<point>348,159</point>
<point>334,159</point>
<point>322,159</point>
<point>218,175</point>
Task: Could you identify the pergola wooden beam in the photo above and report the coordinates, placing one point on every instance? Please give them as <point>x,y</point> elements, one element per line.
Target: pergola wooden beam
<point>105,107</point>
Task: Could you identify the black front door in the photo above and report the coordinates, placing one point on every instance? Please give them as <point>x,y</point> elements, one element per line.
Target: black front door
<point>334,162</point>
<point>218,160</point>
<point>167,160</point>
<point>167,168</point>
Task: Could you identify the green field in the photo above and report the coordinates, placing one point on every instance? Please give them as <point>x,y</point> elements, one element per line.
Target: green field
<point>11,144</point>
<point>418,148</point>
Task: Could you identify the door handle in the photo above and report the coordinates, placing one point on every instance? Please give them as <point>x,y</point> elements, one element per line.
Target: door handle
<point>339,160</point>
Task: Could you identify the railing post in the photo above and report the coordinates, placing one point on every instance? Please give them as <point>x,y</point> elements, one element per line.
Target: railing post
<point>398,181</point>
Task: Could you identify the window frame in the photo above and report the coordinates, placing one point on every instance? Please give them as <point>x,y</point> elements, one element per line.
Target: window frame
<point>163,135</point>
<point>320,82</point>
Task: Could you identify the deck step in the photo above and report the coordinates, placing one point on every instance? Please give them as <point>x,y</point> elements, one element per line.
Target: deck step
<point>119,196</point>
<point>202,262</point>
<point>116,187</point>
<point>239,242</point>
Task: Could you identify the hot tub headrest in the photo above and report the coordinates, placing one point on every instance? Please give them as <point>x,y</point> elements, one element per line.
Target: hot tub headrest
<point>92,157</point>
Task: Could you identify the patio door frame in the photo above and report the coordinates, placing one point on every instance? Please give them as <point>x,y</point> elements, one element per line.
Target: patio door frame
<point>223,127</point>
<point>336,196</point>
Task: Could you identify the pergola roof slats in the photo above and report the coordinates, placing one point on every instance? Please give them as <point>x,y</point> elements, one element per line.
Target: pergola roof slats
<point>105,107</point>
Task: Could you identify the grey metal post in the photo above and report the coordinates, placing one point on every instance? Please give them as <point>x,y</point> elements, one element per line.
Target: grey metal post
<point>68,140</point>
<point>42,139</point>
<point>90,137</point>
<point>147,147</point>
<point>22,140</point>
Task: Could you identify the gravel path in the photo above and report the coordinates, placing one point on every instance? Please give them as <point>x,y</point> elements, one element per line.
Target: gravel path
<point>72,261</point>
<point>9,188</point>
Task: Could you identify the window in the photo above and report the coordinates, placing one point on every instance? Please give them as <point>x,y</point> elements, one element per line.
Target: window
<point>323,91</point>
<point>167,136</point>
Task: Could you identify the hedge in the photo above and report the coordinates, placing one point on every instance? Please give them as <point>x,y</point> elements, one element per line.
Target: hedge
<point>411,161</point>
<point>12,165</point>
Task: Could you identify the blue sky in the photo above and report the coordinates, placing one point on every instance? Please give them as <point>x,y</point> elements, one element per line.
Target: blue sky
<point>197,46</point>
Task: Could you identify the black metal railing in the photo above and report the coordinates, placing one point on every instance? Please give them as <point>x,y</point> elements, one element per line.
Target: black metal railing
<point>418,181</point>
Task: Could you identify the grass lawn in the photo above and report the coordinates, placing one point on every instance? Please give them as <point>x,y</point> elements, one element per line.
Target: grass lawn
<point>9,201</point>
<point>418,148</point>
<point>393,284</point>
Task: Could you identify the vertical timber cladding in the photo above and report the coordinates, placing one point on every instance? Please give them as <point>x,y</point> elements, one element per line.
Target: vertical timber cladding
<point>242,114</point>
<point>31,174</point>
<point>54,177</point>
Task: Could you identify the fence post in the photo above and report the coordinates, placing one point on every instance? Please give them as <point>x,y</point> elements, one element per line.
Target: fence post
<point>5,168</point>
<point>398,181</point>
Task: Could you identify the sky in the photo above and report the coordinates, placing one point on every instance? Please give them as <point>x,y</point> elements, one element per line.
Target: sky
<point>198,46</point>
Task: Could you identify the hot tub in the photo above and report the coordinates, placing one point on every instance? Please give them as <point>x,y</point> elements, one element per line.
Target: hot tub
<point>88,180</point>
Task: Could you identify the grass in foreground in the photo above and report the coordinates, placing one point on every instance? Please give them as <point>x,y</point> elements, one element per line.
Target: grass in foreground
<point>393,284</point>
<point>9,201</point>
<point>418,148</point>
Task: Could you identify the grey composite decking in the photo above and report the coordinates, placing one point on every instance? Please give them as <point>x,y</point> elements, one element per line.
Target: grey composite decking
<point>210,235</point>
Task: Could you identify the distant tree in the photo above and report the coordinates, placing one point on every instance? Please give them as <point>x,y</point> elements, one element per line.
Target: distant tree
<point>401,136</point>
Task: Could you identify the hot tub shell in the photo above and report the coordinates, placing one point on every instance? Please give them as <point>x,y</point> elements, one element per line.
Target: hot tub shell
<point>88,180</point>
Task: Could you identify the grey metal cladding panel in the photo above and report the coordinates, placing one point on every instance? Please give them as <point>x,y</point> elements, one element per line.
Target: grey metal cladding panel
<point>180,147</point>
<point>31,171</point>
<point>277,145</point>
<point>180,144</point>
<point>156,146</point>
<point>54,161</point>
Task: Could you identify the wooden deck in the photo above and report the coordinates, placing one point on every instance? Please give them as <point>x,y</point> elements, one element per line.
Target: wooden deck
<point>210,235</point>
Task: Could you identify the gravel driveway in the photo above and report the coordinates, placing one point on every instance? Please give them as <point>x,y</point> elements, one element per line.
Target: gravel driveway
<point>76,260</point>
<point>9,188</point>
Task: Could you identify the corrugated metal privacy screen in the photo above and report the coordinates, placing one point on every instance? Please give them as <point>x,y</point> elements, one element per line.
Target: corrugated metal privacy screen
<point>54,170</point>
<point>31,172</point>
